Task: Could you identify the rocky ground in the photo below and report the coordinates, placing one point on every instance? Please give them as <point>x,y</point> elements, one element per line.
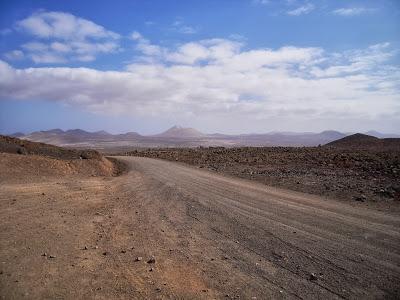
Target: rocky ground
<point>79,227</point>
<point>348,174</point>
<point>164,230</point>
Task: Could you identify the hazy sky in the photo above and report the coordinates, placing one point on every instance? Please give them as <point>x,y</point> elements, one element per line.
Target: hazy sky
<point>219,66</point>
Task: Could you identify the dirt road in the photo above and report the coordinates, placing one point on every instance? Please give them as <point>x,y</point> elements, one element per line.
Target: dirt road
<point>211,236</point>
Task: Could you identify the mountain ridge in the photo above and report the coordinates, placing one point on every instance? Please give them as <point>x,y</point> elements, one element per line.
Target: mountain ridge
<point>365,141</point>
<point>178,136</point>
<point>180,132</point>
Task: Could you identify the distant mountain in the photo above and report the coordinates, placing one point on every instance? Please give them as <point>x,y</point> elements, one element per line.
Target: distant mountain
<point>178,136</point>
<point>129,135</point>
<point>332,134</point>
<point>55,131</point>
<point>61,138</point>
<point>382,135</point>
<point>181,132</point>
<point>289,138</point>
<point>17,134</point>
<point>364,141</point>
<point>354,139</point>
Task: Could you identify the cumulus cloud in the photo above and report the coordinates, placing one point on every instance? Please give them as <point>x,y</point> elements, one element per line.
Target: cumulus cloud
<point>302,10</point>
<point>219,79</point>
<point>352,11</point>
<point>61,37</point>
<point>64,26</point>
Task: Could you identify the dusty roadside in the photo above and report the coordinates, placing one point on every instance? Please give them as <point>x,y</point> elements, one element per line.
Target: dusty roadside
<point>367,176</point>
<point>211,237</point>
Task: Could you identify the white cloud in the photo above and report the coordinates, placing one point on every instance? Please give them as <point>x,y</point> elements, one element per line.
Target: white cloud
<point>352,11</point>
<point>355,61</point>
<point>60,47</point>
<point>64,26</point>
<point>61,37</point>
<point>144,45</point>
<point>136,36</point>
<point>302,10</point>
<point>47,58</point>
<point>261,2</point>
<point>14,55</point>
<point>35,46</point>
<point>181,27</point>
<point>220,79</point>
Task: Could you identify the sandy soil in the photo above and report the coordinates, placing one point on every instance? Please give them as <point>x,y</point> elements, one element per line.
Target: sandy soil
<point>212,237</point>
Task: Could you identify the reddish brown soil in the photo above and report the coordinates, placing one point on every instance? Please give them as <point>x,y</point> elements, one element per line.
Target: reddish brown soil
<point>212,236</point>
<point>18,146</point>
<point>70,230</point>
<point>21,159</point>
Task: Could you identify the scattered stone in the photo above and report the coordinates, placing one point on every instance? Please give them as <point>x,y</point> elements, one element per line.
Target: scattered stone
<point>360,198</point>
<point>43,194</point>
<point>51,256</point>
<point>105,253</point>
<point>313,276</point>
<point>158,289</point>
<point>152,260</point>
<point>85,248</point>
<point>151,270</point>
<point>138,258</point>
<point>44,254</point>
<point>123,251</point>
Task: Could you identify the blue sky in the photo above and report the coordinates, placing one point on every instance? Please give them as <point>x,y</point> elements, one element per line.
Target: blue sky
<point>219,66</point>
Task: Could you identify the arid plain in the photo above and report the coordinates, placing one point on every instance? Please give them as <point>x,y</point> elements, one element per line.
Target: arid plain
<point>76,224</point>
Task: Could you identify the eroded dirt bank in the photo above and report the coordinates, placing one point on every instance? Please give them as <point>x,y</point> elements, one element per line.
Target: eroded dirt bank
<point>211,237</point>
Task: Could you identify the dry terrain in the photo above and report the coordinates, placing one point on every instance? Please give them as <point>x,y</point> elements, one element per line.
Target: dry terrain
<point>165,230</point>
<point>369,176</point>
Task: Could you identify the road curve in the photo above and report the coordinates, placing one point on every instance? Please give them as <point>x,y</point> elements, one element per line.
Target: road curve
<point>267,242</point>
